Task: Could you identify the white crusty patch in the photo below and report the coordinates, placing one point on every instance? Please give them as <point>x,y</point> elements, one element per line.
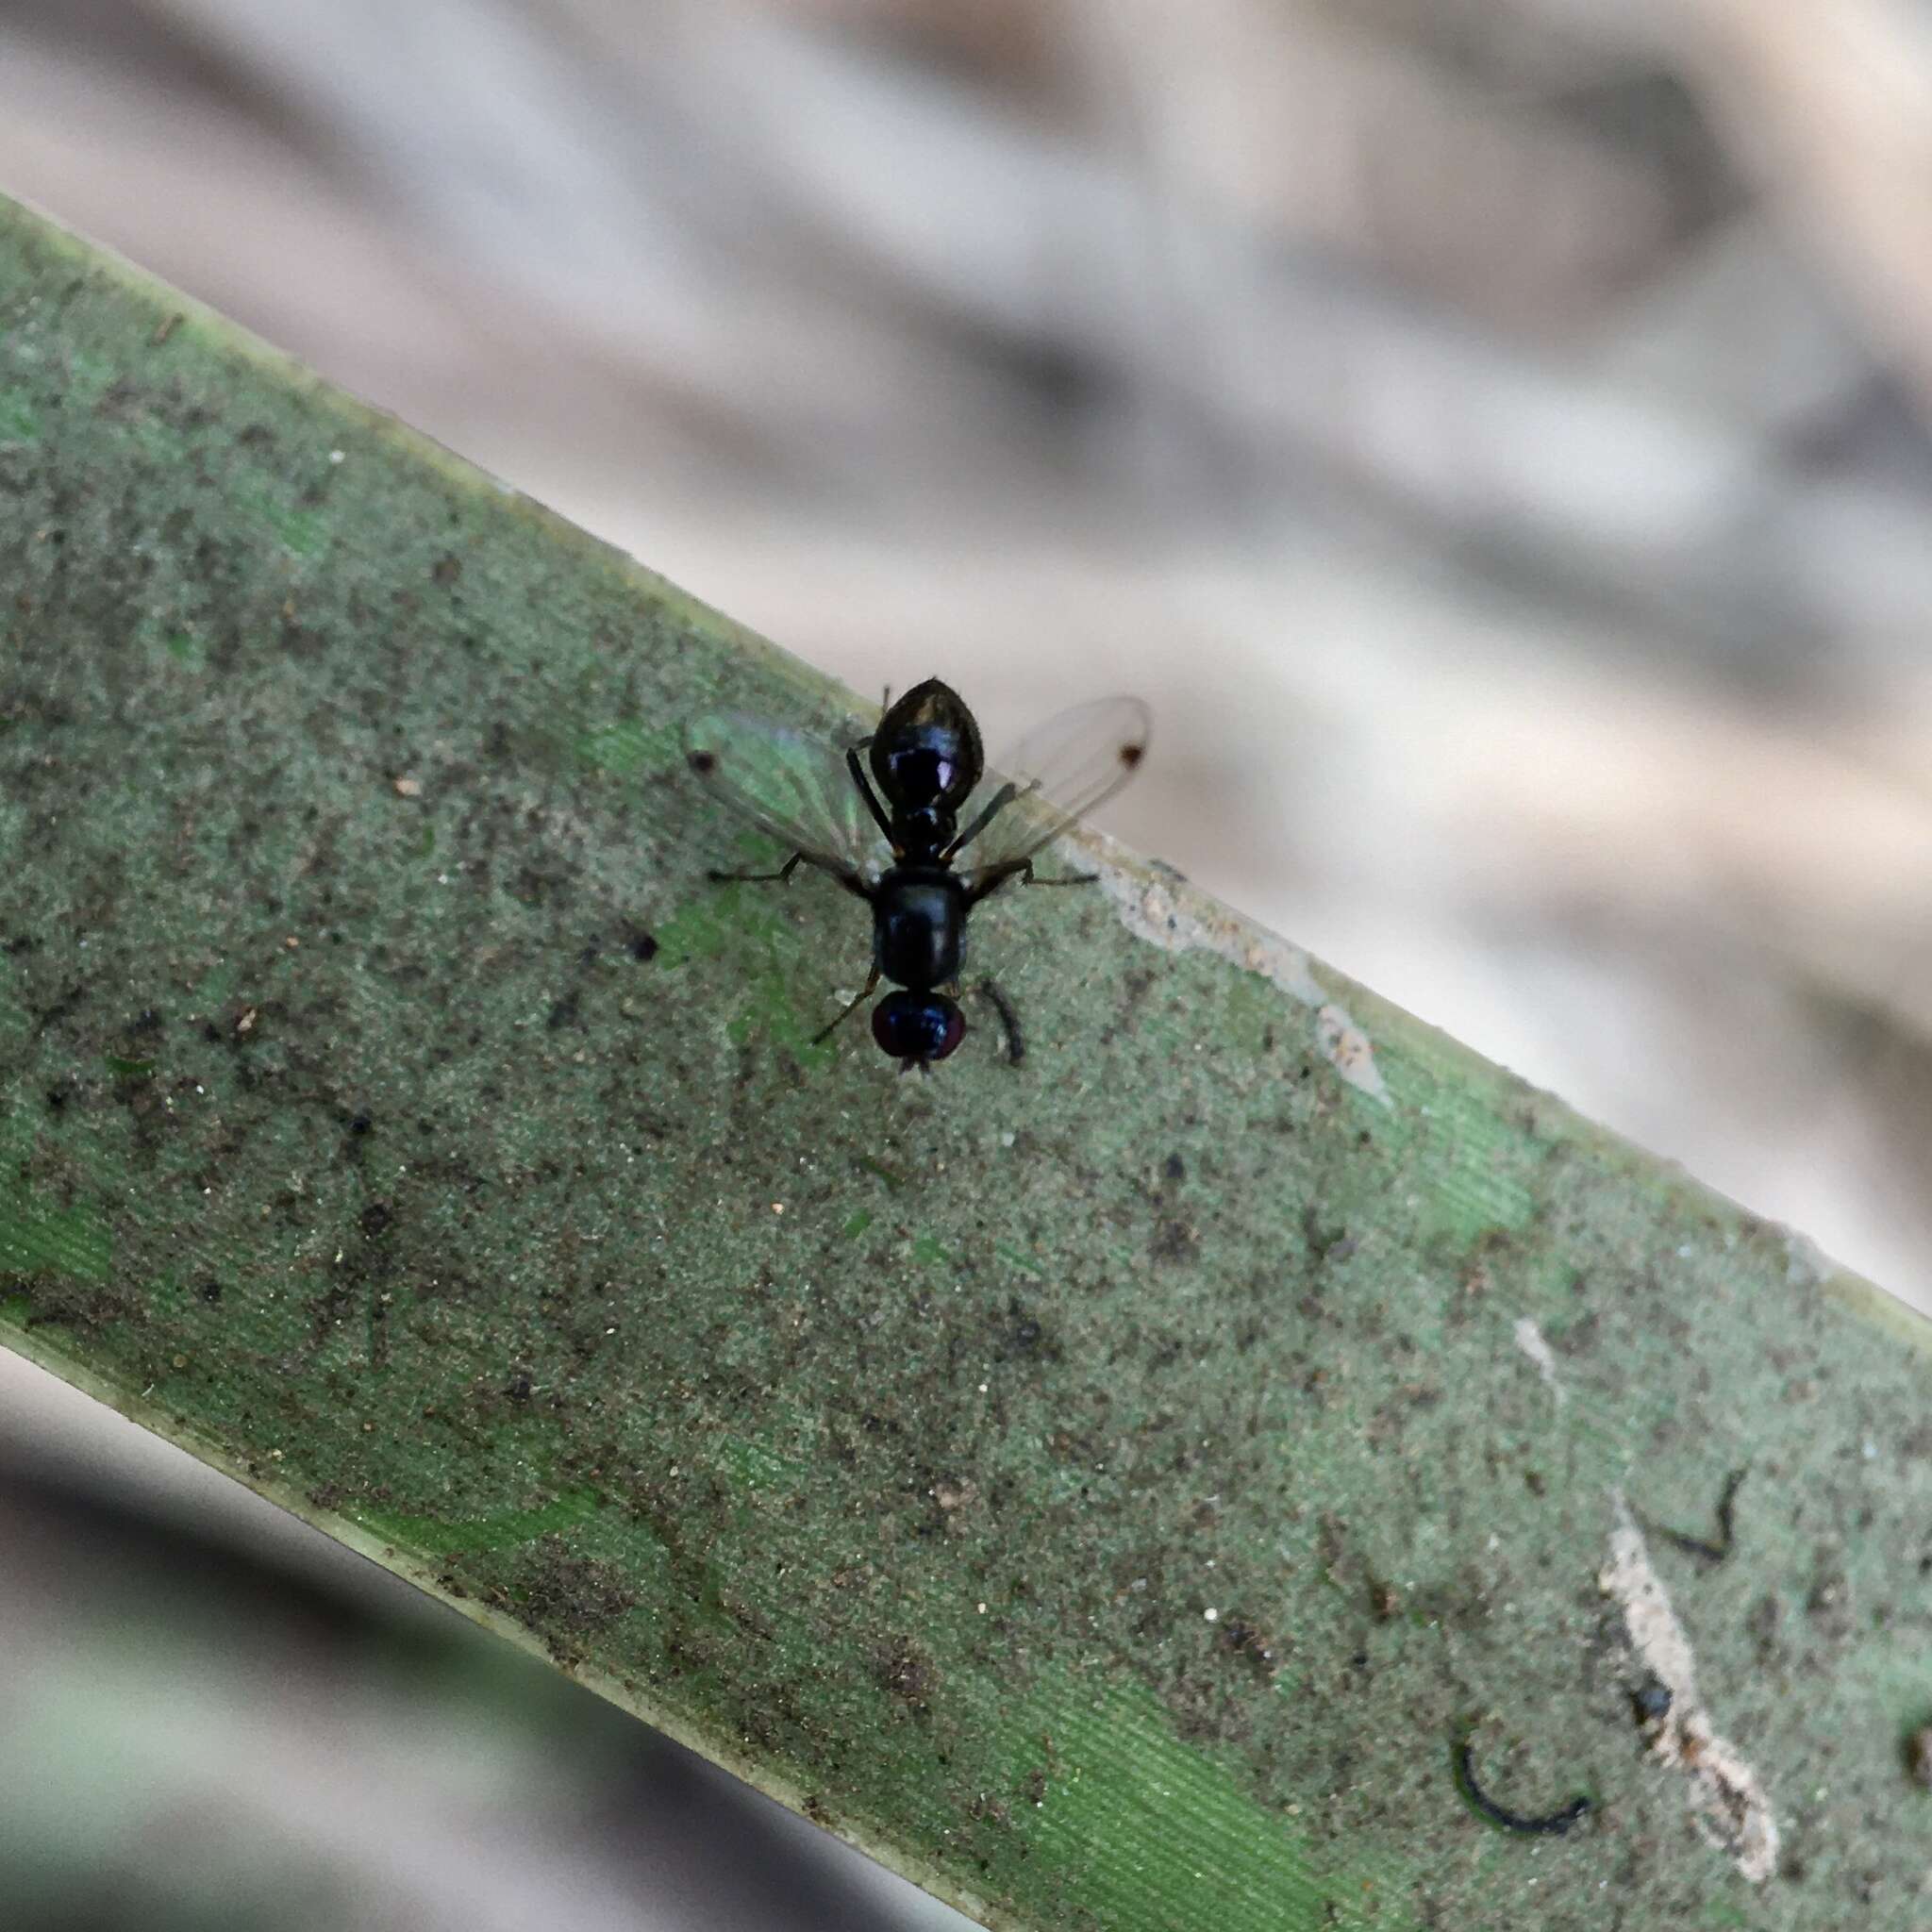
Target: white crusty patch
<point>1165,911</point>
<point>1728,1803</point>
<point>1531,1341</point>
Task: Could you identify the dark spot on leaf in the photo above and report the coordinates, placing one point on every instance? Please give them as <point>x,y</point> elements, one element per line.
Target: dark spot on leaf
<point>1651,1701</point>
<point>1174,1240</point>
<point>908,1674</point>
<point>1253,1645</point>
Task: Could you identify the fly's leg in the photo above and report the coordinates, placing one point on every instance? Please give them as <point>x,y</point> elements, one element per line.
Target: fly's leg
<point>991,992</point>
<point>856,768</point>
<point>1023,871</point>
<point>993,806</point>
<point>783,874</point>
<point>872,980</point>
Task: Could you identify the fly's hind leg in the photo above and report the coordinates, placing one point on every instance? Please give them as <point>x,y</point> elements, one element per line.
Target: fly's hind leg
<point>866,991</point>
<point>994,995</point>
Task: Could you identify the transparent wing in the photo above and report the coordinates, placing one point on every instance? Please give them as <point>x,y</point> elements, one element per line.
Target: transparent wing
<point>1049,781</point>
<point>792,785</point>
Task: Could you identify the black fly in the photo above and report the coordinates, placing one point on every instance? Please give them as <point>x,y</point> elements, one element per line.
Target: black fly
<point>909,820</point>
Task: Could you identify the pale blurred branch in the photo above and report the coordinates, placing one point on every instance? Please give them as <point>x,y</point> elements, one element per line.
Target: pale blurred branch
<point>1831,108</point>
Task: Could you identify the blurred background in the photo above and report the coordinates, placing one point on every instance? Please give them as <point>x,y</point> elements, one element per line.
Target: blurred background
<point>1492,433</point>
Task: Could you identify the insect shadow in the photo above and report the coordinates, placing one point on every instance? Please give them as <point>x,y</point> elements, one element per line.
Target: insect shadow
<point>908,819</point>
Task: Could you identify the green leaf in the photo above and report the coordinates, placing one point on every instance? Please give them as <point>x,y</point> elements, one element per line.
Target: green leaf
<point>1097,1486</point>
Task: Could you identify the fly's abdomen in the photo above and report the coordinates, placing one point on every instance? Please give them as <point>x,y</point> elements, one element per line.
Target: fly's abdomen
<point>919,925</point>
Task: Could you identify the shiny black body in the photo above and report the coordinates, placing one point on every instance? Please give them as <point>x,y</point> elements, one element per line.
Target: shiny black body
<point>916,772</point>
<point>919,925</point>
<point>926,758</point>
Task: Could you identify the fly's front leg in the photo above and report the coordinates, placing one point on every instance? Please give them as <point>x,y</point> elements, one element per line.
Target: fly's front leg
<point>856,767</point>
<point>993,806</point>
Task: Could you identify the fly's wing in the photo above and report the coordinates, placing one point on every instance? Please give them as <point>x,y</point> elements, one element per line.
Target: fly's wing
<point>1048,783</point>
<point>792,785</point>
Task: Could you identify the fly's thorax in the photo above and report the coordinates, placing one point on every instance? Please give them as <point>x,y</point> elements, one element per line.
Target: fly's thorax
<point>919,925</point>
<point>923,834</point>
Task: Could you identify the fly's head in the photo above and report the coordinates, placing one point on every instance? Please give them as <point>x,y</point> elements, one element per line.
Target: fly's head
<point>926,754</point>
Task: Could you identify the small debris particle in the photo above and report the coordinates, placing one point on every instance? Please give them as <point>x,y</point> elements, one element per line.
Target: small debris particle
<point>1651,1701</point>
<point>1706,1550</point>
<point>1346,1048</point>
<point>1212,1616</point>
<point>1727,1801</point>
<point>1530,1340</point>
<point>408,788</point>
<point>246,1024</point>
<point>1553,1824</point>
